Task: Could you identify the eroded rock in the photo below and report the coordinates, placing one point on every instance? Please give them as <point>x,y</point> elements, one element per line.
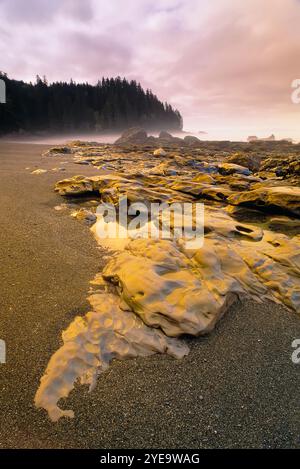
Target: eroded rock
<point>226,169</point>
<point>58,151</point>
<point>74,186</point>
<point>284,198</point>
<point>251,161</point>
<point>286,166</point>
<point>89,345</point>
<point>155,290</point>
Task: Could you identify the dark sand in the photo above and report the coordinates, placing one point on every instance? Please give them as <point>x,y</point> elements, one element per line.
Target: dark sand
<point>237,388</point>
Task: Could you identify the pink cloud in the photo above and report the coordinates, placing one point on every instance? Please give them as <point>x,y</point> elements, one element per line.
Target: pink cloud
<point>227,65</point>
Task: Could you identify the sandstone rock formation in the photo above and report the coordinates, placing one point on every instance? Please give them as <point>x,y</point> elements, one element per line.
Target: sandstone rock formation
<point>283,167</point>
<point>251,162</point>
<point>91,342</point>
<point>226,169</point>
<point>152,290</point>
<point>283,198</point>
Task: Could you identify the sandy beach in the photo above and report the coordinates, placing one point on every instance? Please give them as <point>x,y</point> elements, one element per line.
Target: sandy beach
<point>237,388</point>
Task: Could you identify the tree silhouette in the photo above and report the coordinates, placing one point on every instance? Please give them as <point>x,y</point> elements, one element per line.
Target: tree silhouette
<point>113,104</point>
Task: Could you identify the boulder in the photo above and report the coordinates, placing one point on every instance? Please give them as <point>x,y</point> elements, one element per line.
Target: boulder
<point>163,135</point>
<point>134,135</point>
<point>191,140</point>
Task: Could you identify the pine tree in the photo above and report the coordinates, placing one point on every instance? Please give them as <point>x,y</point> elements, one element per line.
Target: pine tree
<point>114,104</point>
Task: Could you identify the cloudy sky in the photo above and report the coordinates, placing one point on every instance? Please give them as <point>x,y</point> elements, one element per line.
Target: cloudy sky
<point>227,65</point>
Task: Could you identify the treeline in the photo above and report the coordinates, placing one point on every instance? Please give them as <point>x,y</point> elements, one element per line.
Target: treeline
<point>113,104</point>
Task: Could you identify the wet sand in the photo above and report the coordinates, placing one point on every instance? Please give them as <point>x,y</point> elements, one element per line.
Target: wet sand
<point>237,388</point>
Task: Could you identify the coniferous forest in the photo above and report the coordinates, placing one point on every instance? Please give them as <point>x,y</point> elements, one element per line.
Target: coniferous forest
<point>113,104</point>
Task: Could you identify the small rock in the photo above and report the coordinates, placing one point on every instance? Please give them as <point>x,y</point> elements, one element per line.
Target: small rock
<point>39,171</point>
<point>160,152</point>
<point>84,215</point>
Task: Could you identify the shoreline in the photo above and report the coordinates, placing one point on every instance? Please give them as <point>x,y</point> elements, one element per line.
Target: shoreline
<point>48,261</point>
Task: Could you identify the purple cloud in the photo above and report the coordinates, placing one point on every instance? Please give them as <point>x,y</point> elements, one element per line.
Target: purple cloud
<point>227,65</point>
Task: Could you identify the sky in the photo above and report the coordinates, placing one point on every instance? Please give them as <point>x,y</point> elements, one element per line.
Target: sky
<point>227,65</point>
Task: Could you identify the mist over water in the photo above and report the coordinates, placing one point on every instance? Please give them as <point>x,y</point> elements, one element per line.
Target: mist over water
<point>60,138</point>
<point>57,139</point>
<point>111,137</point>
